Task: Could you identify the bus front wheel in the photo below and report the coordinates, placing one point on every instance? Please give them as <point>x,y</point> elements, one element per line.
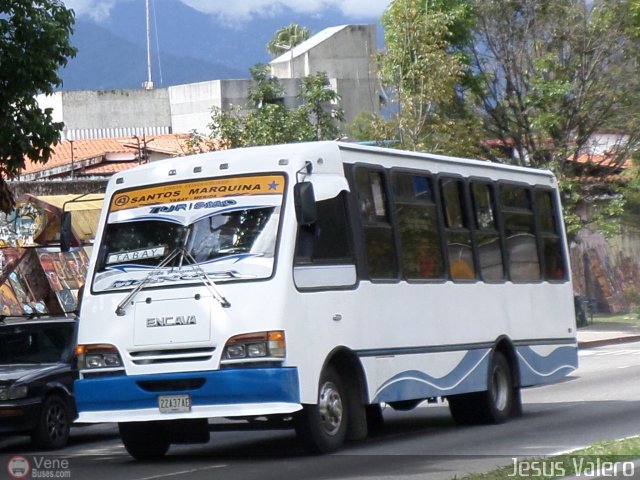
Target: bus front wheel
<point>322,427</point>
<point>144,440</point>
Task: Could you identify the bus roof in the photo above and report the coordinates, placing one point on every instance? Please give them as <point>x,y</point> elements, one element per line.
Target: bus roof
<point>325,156</point>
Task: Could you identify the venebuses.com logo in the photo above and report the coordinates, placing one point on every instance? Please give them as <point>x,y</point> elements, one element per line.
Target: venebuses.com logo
<point>38,467</point>
<point>18,467</point>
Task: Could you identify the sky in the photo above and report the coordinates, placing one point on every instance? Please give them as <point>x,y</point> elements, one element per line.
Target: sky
<point>245,10</point>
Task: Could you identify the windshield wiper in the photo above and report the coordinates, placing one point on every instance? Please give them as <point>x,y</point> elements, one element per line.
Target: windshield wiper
<point>120,309</point>
<point>209,283</point>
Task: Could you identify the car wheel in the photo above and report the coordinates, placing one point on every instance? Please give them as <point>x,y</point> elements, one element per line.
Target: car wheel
<point>52,431</point>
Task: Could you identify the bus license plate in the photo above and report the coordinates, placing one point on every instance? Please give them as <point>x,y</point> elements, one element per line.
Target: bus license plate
<point>174,403</point>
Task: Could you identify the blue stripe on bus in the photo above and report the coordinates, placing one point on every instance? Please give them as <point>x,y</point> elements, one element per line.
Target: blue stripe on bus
<point>469,375</point>
<point>221,387</point>
<point>536,369</point>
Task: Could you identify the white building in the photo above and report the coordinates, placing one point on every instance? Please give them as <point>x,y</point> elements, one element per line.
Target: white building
<point>344,53</point>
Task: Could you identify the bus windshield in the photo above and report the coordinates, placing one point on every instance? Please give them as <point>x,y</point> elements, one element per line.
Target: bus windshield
<point>229,245</point>
<point>173,242</point>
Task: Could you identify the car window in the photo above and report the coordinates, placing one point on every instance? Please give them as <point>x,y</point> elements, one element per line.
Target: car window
<point>37,343</point>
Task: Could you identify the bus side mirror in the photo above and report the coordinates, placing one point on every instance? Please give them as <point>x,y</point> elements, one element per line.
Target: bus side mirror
<point>305,203</point>
<point>65,231</point>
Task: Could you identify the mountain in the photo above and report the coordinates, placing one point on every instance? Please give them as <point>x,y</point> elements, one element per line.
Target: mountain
<point>187,45</point>
<point>105,61</point>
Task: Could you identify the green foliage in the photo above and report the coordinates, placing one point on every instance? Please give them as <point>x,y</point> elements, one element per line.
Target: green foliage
<point>286,38</point>
<point>552,74</point>
<point>34,44</point>
<point>603,215</point>
<point>265,88</point>
<point>318,100</point>
<point>268,121</point>
<point>361,128</point>
<point>423,73</point>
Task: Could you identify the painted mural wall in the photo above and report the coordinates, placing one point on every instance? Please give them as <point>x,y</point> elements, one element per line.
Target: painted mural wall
<point>607,271</point>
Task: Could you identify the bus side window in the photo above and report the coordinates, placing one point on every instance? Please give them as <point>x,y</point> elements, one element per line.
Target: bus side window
<point>519,231</point>
<point>327,241</point>
<point>418,230</point>
<point>457,232</point>
<point>487,234</point>
<point>549,233</point>
<point>379,245</point>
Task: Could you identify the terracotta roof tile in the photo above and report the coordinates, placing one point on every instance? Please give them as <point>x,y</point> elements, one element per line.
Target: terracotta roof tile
<point>86,150</point>
<point>82,150</point>
<point>604,160</point>
<point>106,168</point>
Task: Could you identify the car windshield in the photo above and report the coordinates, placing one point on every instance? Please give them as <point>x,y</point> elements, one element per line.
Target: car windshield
<point>36,343</point>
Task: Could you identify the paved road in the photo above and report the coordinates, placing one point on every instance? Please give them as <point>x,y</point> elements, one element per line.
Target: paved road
<point>601,401</point>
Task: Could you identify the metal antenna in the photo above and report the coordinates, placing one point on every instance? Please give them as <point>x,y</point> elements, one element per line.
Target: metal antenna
<point>148,85</point>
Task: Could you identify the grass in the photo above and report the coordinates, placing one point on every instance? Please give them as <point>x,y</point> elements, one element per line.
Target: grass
<point>616,318</point>
<point>602,458</point>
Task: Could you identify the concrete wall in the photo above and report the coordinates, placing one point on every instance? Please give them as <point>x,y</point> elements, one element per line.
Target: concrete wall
<point>56,187</point>
<point>191,105</point>
<point>114,110</point>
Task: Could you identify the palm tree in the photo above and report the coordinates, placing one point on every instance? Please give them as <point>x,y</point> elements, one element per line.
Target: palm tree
<point>286,38</point>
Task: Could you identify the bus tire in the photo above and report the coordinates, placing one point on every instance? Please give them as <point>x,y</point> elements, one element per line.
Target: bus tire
<point>498,401</point>
<point>322,427</point>
<point>495,405</point>
<point>375,419</point>
<point>144,440</point>
<point>462,408</point>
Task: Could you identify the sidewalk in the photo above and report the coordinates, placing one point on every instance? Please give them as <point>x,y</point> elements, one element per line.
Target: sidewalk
<point>598,334</point>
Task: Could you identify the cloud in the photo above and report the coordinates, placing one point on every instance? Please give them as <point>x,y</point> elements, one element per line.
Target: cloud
<point>96,9</point>
<point>244,10</point>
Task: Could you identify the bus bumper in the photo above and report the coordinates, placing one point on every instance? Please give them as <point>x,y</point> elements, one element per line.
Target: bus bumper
<point>220,393</point>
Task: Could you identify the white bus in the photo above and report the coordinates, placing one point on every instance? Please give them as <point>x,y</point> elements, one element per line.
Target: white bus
<point>311,283</point>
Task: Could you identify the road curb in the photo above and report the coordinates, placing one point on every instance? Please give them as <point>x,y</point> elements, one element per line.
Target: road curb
<point>608,341</point>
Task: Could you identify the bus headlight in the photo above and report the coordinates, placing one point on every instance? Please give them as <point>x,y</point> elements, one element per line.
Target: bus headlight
<point>98,356</point>
<point>256,346</point>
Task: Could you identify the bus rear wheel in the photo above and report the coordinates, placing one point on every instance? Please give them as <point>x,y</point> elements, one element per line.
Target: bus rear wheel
<point>496,404</point>
<point>144,440</point>
<point>322,427</point>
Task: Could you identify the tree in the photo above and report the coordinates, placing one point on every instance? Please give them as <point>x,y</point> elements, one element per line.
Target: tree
<point>34,44</point>
<point>317,99</point>
<point>552,74</point>
<point>422,75</point>
<point>286,38</point>
<point>268,121</point>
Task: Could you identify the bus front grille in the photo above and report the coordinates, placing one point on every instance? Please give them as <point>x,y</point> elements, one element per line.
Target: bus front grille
<point>150,357</point>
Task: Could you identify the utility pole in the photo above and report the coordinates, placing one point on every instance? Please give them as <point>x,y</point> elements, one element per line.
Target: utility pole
<point>72,163</point>
<point>148,85</point>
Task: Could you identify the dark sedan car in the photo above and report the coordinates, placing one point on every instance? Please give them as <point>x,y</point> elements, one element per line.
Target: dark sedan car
<point>37,371</point>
